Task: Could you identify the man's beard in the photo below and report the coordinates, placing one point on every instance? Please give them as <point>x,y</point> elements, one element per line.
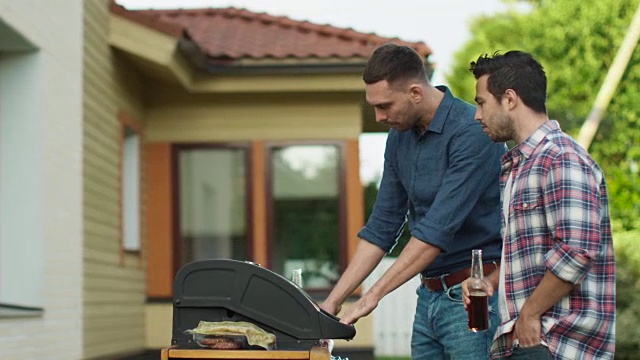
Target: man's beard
<point>504,129</point>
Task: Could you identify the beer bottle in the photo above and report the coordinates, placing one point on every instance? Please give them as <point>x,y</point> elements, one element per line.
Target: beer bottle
<point>478,310</point>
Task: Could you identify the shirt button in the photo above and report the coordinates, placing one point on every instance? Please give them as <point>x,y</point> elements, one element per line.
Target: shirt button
<point>525,205</point>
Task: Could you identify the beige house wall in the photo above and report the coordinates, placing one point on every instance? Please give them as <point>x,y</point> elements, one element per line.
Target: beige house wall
<point>177,116</point>
<point>182,105</point>
<point>53,115</point>
<point>114,281</point>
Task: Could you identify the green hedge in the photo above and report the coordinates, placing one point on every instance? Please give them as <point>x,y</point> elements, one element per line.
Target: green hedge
<point>627,248</point>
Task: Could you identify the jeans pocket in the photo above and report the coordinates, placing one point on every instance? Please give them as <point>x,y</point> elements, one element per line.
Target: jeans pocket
<point>454,293</point>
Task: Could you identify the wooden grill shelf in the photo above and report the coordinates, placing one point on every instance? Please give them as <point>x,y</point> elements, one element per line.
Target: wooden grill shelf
<point>316,353</point>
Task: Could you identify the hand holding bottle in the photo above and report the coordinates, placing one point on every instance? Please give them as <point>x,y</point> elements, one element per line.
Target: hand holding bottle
<point>465,291</point>
<point>477,295</point>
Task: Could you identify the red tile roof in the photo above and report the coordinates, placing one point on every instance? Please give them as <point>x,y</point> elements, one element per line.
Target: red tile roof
<point>236,34</point>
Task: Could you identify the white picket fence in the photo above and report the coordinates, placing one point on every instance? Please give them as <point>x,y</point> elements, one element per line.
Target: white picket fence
<point>393,318</point>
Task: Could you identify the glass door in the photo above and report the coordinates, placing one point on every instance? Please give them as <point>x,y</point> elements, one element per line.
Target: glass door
<point>212,193</point>
<point>305,213</point>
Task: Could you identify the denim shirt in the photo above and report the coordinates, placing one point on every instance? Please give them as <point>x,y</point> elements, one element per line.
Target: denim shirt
<point>447,181</point>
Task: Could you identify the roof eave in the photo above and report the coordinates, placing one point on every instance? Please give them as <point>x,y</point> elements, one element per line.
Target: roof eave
<point>286,69</point>
<point>162,56</point>
<point>270,65</point>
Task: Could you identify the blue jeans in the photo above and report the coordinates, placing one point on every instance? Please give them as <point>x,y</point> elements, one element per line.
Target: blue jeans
<point>539,352</point>
<point>440,327</point>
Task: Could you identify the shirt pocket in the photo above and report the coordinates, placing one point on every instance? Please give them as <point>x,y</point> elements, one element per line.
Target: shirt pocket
<point>528,219</point>
<point>528,203</point>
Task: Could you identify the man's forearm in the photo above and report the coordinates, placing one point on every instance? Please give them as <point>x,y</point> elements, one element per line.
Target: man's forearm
<point>493,279</point>
<point>366,258</point>
<point>548,292</point>
<point>414,258</point>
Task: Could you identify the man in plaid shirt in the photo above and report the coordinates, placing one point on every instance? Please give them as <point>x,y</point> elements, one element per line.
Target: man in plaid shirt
<point>556,282</point>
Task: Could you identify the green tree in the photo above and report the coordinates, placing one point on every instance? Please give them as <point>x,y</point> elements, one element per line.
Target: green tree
<point>576,42</point>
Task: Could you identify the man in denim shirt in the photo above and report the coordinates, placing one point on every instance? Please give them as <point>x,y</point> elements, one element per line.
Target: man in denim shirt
<point>443,172</point>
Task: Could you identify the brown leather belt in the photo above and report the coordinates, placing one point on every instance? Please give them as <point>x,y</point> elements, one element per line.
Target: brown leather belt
<point>444,282</point>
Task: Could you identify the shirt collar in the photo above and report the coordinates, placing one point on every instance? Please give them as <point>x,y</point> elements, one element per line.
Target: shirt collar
<point>439,118</point>
<point>527,147</point>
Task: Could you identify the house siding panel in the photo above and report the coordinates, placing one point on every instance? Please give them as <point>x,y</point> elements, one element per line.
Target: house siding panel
<point>114,281</point>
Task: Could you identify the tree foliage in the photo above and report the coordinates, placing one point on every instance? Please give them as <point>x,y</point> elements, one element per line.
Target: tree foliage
<point>576,42</point>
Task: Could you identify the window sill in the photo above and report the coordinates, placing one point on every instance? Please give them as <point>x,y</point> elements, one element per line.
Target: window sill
<point>15,311</point>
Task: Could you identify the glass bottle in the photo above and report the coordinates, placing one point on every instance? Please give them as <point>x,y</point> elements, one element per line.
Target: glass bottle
<point>296,277</point>
<point>478,310</point>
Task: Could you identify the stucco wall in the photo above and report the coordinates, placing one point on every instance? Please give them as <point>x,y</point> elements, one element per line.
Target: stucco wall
<point>46,143</point>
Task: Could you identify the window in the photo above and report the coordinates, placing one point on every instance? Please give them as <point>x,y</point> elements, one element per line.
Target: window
<point>212,193</point>
<point>21,163</point>
<point>302,202</point>
<point>305,213</point>
<point>130,189</point>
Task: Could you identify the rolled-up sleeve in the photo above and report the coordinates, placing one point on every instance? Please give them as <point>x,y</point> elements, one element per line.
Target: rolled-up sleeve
<point>389,212</point>
<point>572,203</point>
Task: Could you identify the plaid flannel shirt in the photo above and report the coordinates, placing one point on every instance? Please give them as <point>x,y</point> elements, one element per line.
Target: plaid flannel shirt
<point>559,220</point>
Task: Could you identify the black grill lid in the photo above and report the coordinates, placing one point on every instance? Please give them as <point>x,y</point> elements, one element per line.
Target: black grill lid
<point>231,290</point>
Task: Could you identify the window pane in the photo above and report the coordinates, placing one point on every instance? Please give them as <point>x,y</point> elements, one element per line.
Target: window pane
<point>22,184</point>
<point>306,225</point>
<point>212,204</point>
<point>131,191</point>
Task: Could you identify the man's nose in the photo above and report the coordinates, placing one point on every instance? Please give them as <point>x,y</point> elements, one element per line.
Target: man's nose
<point>478,115</point>
<point>380,115</point>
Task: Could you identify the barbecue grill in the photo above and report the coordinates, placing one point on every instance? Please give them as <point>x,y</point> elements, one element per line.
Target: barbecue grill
<point>229,290</point>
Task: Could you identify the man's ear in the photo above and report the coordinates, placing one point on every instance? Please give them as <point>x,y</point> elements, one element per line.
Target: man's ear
<point>510,99</point>
<point>416,92</point>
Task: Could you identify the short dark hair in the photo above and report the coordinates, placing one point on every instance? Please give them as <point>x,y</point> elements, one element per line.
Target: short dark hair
<point>396,64</point>
<point>516,70</point>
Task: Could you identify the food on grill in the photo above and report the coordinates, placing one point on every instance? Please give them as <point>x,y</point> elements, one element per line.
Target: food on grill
<point>231,333</point>
<point>220,343</point>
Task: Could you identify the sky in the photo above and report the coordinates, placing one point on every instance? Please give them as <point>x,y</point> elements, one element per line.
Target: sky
<point>441,24</point>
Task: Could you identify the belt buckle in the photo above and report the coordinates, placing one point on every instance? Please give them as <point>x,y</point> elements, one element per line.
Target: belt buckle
<point>443,282</point>
<point>441,278</point>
